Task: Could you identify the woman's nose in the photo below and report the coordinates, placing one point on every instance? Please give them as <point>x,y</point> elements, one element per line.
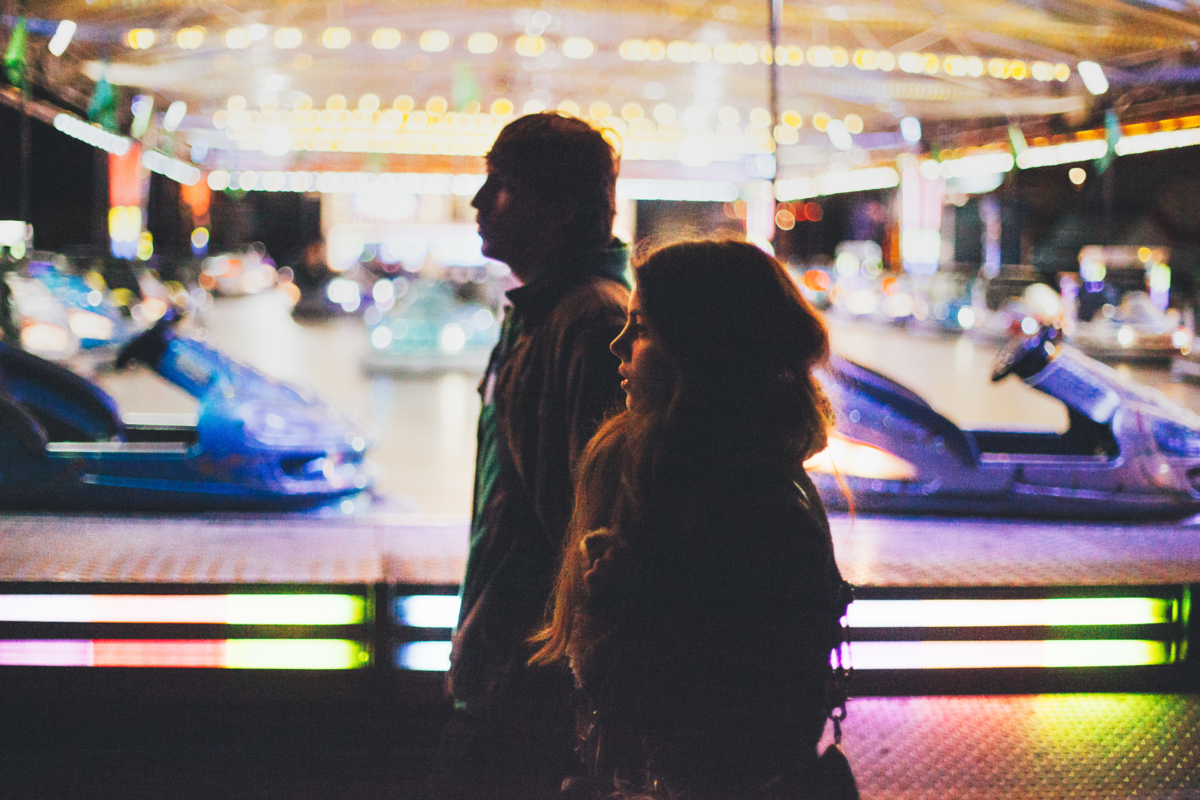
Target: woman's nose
<point>618,346</point>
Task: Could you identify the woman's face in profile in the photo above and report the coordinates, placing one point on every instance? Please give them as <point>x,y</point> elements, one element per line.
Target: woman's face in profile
<point>648,371</point>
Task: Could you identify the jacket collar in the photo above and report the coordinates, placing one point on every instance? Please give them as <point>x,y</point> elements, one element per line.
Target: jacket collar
<point>538,297</point>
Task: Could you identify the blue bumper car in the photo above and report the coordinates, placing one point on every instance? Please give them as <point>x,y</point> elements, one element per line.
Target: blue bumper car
<point>256,444</point>
<point>1129,452</point>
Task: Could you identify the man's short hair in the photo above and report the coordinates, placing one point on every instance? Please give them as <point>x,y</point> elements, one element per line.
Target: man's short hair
<point>560,157</point>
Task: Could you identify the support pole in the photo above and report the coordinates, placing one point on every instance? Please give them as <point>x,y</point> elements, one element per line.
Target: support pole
<point>776,18</point>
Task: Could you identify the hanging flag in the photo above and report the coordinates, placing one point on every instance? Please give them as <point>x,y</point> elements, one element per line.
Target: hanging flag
<point>464,85</point>
<point>1017,138</point>
<point>15,58</point>
<point>1112,131</point>
<point>102,108</point>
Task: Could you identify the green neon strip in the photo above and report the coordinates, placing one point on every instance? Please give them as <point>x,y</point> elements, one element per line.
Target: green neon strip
<point>1017,654</point>
<point>296,609</point>
<point>989,613</point>
<point>296,654</point>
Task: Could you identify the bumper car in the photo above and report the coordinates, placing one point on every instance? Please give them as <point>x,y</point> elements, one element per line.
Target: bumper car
<point>1128,452</point>
<point>433,328</point>
<point>1136,330</point>
<point>256,444</point>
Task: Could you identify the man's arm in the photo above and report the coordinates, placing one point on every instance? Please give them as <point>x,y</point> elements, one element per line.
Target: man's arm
<point>589,389</point>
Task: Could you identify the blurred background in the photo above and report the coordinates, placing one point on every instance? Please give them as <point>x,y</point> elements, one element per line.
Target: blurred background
<point>297,178</point>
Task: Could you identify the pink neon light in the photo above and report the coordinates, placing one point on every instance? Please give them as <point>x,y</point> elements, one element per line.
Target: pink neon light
<point>46,653</point>
<point>161,608</point>
<point>160,653</point>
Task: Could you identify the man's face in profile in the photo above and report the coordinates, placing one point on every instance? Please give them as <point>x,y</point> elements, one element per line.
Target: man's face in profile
<point>510,219</point>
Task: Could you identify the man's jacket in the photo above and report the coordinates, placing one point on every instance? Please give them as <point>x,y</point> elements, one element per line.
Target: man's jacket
<point>550,383</point>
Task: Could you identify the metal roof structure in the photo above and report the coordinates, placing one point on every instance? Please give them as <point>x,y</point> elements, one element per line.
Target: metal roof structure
<point>682,81</point>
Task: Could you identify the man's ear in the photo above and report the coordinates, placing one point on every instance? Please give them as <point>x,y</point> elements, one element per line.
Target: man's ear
<point>559,214</point>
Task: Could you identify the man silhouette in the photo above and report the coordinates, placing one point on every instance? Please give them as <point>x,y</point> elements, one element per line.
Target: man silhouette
<point>546,210</point>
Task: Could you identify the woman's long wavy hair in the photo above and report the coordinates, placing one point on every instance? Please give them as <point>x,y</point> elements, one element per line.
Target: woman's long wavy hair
<point>743,342</point>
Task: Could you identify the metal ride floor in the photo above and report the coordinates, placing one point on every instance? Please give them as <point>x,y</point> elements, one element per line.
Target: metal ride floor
<point>983,746</point>
<point>403,548</point>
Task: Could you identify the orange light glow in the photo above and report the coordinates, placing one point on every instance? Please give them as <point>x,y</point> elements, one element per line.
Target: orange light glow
<point>889,285</point>
<point>816,280</point>
<point>860,460</point>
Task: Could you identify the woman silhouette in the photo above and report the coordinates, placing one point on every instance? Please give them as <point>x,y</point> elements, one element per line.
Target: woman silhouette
<point>698,600</point>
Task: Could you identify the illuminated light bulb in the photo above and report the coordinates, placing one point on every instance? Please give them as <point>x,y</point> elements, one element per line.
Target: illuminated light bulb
<point>865,59</point>
<point>175,114</point>
<point>975,66</point>
<point>632,111</point>
<point>368,103</point>
<point>434,41</point>
<point>910,129</point>
<point>1017,70</point>
<point>145,246</point>
<point>336,38</point>
<point>335,102</point>
<point>746,53</point>
<point>632,50</point>
<point>569,107</point>
<point>838,57</point>
<point>403,103</point>
<point>140,39</point>
<point>436,106</point>
<point>791,55</point>
<point>820,56</point>
<point>885,61</point>
<point>502,107</point>
<point>760,117</point>
<point>680,52</point>
<point>237,38</point>
<point>854,123</point>
<point>911,63</point>
<point>1042,71</point>
<point>665,113</point>
<point>930,64</point>
<point>1093,77</point>
<point>533,106</point>
<point>386,39</point>
<point>288,38</point>
<point>62,37</point>
<point>600,110</point>
<point>529,46</point>
<point>839,137</point>
<point>997,67</point>
<point>656,50</point>
<point>236,103</point>
<point>1062,72</point>
<point>218,180</point>
<point>701,53</point>
<point>1077,175</point>
<point>482,43</point>
<point>189,38</point>
<point>792,119</point>
<point>578,47</point>
<point>821,121</point>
